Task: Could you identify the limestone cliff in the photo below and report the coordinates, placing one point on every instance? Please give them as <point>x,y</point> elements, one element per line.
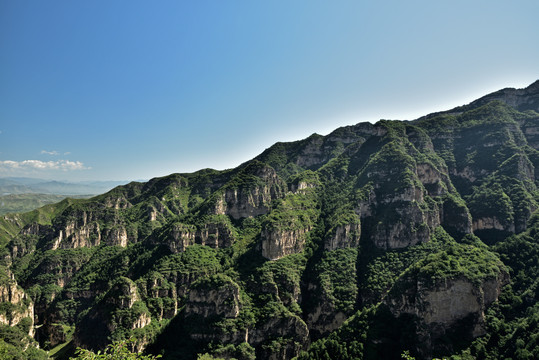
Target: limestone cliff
<point>216,296</point>
<point>343,236</point>
<point>444,304</point>
<point>250,193</point>
<point>217,232</point>
<point>16,305</point>
<point>120,308</point>
<point>277,243</point>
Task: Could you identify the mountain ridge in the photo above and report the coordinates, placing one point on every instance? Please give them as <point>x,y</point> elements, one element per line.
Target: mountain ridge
<point>521,99</point>
<point>314,247</point>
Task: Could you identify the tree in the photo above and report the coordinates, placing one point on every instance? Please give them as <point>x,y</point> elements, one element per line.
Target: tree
<point>118,350</point>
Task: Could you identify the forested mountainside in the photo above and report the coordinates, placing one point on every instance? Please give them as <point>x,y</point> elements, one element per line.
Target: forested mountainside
<point>374,240</point>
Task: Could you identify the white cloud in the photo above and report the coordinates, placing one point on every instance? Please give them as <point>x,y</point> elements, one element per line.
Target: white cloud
<point>54,152</point>
<point>65,165</point>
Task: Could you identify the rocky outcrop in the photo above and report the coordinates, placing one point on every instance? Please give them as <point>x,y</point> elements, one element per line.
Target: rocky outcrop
<point>26,241</point>
<point>343,236</point>
<point>302,186</point>
<point>162,295</point>
<point>216,296</point>
<point>531,132</point>
<point>120,309</point>
<point>492,223</point>
<point>211,300</point>
<point>469,174</point>
<point>81,230</point>
<point>16,305</point>
<point>117,202</point>
<point>434,181</point>
<point>251,193</point>
<point>215,234</point>
<point>325,318</point>
<point>404,223</point>
<point>117,236</point>
<point>277,243</point>
<point>181,236</point>
<point>241,203</point>
<point>290,329</point>
<point>445,304</point>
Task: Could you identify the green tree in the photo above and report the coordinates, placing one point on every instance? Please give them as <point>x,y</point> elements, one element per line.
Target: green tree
<point>118,350</point>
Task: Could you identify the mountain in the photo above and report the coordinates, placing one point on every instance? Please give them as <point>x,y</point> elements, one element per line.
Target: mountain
<point>21,185</point>
<point>18,203</point>
<point>25,194</point>
<point>401,237</point>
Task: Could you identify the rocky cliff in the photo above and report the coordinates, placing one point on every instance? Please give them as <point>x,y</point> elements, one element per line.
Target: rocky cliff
<point>16,304</point>
<point>371,240</point>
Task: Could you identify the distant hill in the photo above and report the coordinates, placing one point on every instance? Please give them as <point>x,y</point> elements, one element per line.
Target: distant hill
<point>20,194</point>
<point>18,203</point>
<point>20,185</point>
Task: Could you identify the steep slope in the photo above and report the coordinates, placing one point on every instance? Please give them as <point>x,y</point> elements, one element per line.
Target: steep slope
<point>312,248</point>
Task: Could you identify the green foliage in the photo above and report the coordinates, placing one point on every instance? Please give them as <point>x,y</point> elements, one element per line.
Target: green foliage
<point>294,212</point>
<point>19,203</point>
<point>196,261</point>
<point>368,177</point>
<point>456,260</point>
<point>118,350</point>
<point>490,200</point>
<point>337,278</point>
<point>207,356</point>
<point>16,344</point>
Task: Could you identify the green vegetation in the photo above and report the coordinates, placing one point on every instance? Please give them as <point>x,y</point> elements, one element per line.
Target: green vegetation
<point>118,350</point>
<point>170,264</point>
<point>19,203</point>
<point>15,344</point>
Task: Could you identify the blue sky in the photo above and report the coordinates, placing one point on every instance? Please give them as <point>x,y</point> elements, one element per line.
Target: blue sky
<point>125,90</point>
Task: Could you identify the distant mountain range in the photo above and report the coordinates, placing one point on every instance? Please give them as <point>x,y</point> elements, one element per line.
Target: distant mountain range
<point>20,194</point>
<point>21,185</point>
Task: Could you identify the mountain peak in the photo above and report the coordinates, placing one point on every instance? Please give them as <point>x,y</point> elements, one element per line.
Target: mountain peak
<point>533,88</point>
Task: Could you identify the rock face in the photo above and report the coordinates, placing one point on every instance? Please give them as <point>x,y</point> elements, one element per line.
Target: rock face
<point>217,298</point>
<point>251,193</point>
<point>78,233</point>
<point>455,217</point>
<point>277,243</point>
<point>83,229</point>
<point>401,219</point>
<point>207,299</point>
<point>343,236</point>
<point>415,228</point>
<point>121,307</point>
<point>292,329</point>
<point>325,318</point>
<point>492,223</point>
<point>449,302</point>
<point>16,305</point>
<point>181,237</point>
<point>216,234</point>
